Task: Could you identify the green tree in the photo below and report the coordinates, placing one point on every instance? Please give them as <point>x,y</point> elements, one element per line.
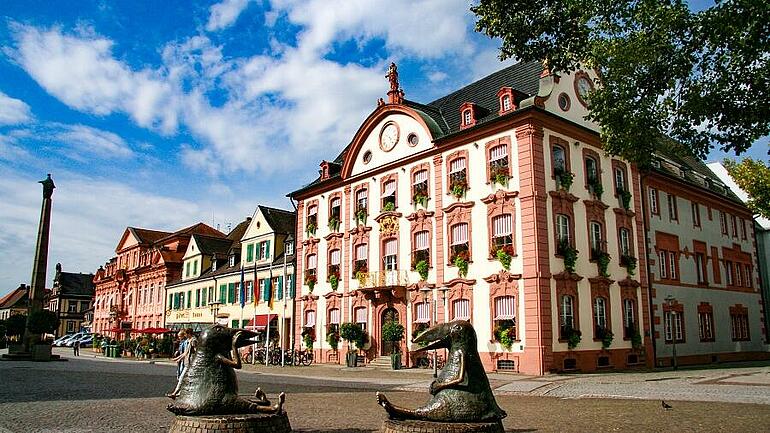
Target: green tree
<point>754,178</point>
<point>15,325</point>
<point>699,77</point>
<point>43,322</point>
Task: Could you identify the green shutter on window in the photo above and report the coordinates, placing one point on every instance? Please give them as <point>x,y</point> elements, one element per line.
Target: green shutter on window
<point>266,290</point>
<point>259,250</point>
<point>244,323</point>
<point>222,293</point>
<point>250,252</point>
<point>267,249</point>
<point>187,269</point>
<point>234,323</point>
<point>279,289</point>
<point>189,298</point>
<point>290,285</point>
<point>231,293</point>
<point>170,301</point>
<point>195,267</point>
<point>203,297</point>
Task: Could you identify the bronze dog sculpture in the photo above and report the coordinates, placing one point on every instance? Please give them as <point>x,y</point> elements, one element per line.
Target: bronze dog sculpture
<point>461,393</point>
<point>210,387</point>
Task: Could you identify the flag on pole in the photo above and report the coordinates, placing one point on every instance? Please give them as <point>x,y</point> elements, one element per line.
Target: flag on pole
<point>270,290</point>
<point>255,289</point>
<point>243,288</point>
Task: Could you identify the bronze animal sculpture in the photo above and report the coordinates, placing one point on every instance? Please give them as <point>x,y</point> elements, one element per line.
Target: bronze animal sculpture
<point>210,387</point>
<point>461,393</point>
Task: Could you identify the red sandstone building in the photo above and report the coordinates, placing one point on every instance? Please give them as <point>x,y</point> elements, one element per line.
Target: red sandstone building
<point>131,287</point>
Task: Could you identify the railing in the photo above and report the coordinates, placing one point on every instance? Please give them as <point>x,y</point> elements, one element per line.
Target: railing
<point>382,279</point>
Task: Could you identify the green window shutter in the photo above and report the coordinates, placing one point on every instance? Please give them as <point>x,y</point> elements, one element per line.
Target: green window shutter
<point>279,289</point>
<point>234,323</point>
<point>244,323</point>
<point>290,285</point>
<point>259,250</point>
<point>203,297</point>
<point>267,249</point>
<point>187,269</point>
<point>189,298</point>
<point>250,252</point>
<point>195,267</point>
<point>222,293</point>
<point>170,301</point>
<point>266,290</point>
<point>231,293</point>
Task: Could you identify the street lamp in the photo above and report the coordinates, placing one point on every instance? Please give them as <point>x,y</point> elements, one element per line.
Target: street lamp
<point>425,292</point>
<point>214,308</point>
<point>671,301</point>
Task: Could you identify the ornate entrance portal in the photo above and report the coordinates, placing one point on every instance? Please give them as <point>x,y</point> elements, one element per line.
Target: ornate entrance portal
<point>388,315</point>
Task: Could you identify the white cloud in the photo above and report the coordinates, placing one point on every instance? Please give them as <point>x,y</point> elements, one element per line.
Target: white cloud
<point>224,14</point>
<point>13,111</point>
<point>88,140</point>
<point>80,71</point>
<point>430,28</point>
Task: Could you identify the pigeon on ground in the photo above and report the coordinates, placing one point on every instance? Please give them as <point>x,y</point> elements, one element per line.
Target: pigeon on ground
<point>666,405</point>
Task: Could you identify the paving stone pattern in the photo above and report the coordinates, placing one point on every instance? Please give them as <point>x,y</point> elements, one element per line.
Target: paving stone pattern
<point>232,424</point>
<point>394,426</point>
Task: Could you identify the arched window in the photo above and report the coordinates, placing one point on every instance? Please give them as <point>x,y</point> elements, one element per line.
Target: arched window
<point>499,170</point>
<point>461,309</point>
<point>421,249</point>
<point>629,318</point>
<point>559,159</point>
<point>562,228</point>
<point>359,313</point>
<point>566,316</point>
<point>420,193</point>
<point>334,320</point>
<point>600,315</point>
<point>597,246</point>
<point>505,316</point>
<point>625,242</point>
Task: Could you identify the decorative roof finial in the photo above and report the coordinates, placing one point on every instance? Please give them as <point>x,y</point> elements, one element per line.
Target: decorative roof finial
<point>395,94</point>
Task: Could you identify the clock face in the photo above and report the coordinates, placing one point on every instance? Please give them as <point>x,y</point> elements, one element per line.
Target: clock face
<point>389,137</point>
<point>584,86</point>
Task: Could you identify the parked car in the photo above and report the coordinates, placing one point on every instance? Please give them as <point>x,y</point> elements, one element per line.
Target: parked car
<point>87,341</point>
<point>59,341</point>
<point>83,336</point>
<point>69,342</point>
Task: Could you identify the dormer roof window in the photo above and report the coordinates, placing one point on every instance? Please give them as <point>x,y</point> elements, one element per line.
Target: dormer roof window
<point>506,100</point>
<point>232,260</point>
<point>324,170</point>
<point>467,115</point>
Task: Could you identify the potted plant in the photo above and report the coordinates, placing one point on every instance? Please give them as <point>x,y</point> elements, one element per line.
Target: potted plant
<point>499,175</point>
<point>505,333</point>
<point>39,323</point>
<point>596,188</point>
<point>389,207</point>
<point>334,279</point>
<point>393,332</point>
<point>628,262</point>
<point>334,224</point>
<point>308,337</point>
<point>310,279</point>
<point>569,254</point>
<point>605,335</point>
<point>361,271</point>
<point>352,333</point>
<point>458,185</point>
<point>420,197</point>
<point>564,178</point>
<point>625,199</point>
<point>310,229</point>
<point>504,255</point>
<point>333,338</point>
<point>361,215</point>
<point>573,337</point>
<point>602,262</point>
<point>461,259</point>
<point>636,340</point>
<point>14,329</point>
<point>422,268</point>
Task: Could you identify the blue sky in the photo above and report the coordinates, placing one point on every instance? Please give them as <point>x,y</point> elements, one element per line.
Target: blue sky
<point>163,114</point>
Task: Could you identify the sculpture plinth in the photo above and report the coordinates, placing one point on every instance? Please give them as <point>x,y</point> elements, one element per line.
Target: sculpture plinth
<point>461,398</point>
<point>254,423</point>
<point>413,426</point>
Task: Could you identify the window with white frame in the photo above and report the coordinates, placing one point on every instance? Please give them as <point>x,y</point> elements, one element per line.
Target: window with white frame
<point>502,231</point>
<point>592,170</point>
<point>559,160</point>
<point>361,259</point>
<point>361,200</point>
<point>390,259</point>
<point>673,326</point>
<point>625,241</point>
<point>461,309</point>
<point>312,218</point>
<point>740,326</point>
<point>458,178</point>
<point>600,314</point>
<point>420,193</point>
<point>506,102</point>
<point>309,318</point>
<point>467,117</point>
<point>359,313</point>
<point>734,221</point>
<point>629,318</point>
<point>312,264</point>
<point>334,320</point>
<point>505,315</point>
<point>566,316</point>
<point>654,201</point>
<point>335,256</point>
<point>706,326</point>
<point>700,268</point>
<point>499,170</point>
<point>562,228</point>
<point>423,312</point>
<point>723,222</point>
<point>620,179</point>
<point>597,246</point>
<point>421,251</point>
<point>695,214</point>
<point>662,264</point>
<point>673,212</point>
<point>743,229</point>
<point>334,213</point>
<point>459,240</point>
<point>389,195</point>
<point>729,272</point>
<point>672,265</point>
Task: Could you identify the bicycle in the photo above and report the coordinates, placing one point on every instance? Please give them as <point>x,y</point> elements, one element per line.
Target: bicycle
<point>247,356</point>
<point>304,357</point>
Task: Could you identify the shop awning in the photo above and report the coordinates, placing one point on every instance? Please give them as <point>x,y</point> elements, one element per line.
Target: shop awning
<point>260,321</point>
<point>152,331</point>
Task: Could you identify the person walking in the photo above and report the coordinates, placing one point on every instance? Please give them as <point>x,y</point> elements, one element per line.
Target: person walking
<point>180,353</point>
<point>190,344</point>
<point>76,348</point>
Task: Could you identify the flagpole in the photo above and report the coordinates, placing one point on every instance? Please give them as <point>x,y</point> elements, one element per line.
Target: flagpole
<point>255,295</point>
<point>269,309</point>
<point>283,317</point>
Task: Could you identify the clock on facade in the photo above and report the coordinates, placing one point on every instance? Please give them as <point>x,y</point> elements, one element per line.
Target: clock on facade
<point>389,136</point>
<point>583,86</point>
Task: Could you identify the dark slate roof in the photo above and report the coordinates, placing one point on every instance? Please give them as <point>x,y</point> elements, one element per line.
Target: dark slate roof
<point>208,245</point>
<point>237,233</point>
<point>443,115</point>
<point>199,228</point>
<point>74,284</point>
<point>282,221</point>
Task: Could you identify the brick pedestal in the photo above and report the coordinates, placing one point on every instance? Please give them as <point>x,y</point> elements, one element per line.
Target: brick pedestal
<point>257,423</point>
<point>395,426</point>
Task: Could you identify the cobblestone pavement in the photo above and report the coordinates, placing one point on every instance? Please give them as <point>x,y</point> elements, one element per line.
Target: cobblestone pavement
<point>88,395</point>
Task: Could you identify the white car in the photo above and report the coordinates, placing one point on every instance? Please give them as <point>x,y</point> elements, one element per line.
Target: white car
<point>71,340</point>
<point>60,341</point>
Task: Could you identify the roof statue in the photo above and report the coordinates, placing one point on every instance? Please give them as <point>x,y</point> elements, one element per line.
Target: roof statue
<point>395,94</point>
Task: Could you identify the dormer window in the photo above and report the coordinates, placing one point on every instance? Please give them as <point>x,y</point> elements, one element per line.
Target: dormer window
<point>505,98</point>
<point>324,170</point>
<point>467,115</point>
<point>289,248</point>
<point>232,260</point>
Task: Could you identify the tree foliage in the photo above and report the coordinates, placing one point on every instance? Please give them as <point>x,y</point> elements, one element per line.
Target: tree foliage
<point>754,178</point>
<point>43,322</point>
<point>15,324</point>
<point>701,78</point>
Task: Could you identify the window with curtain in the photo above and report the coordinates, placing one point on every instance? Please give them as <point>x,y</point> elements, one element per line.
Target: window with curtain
<point>309,319</point>
<point>421,250</point>
<point>458,176</point>
<point>361,259</point>
<point>420,193</point>
<point>390,258</point>
<point>600,315</point>
<point>389,195</point>
<point>499,170</point>
<point>335,257</point>
<point>459,239</point>
<point>361,316</point>
<point>461,309</point>
<point>312,264</point>
<point>334,320</point>
<point>423,312</point>
<point>502,231</point>
<point>566,316</point>
<point>361,199</point>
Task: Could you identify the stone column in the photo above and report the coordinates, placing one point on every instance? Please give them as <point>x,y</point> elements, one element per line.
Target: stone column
<point>37,289</point>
